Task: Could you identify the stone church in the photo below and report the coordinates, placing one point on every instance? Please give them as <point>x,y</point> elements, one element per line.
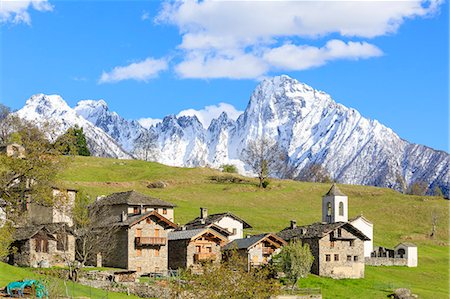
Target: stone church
<point>337,245</point>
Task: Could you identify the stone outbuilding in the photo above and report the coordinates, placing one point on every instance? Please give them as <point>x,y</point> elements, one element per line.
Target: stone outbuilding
<point>257,250</point>
<point>138,243</point>
<point>407,251</point>
<point>189,248</point>
<point>43,246</point>
<point>14,150</point>
<point>227,220</point>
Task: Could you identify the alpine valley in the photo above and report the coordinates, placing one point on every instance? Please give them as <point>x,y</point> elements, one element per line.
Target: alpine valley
<point>306,123</point>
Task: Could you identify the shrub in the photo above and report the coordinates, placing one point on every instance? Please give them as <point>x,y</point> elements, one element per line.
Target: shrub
<point>230,168</point>
<point>265,183</point>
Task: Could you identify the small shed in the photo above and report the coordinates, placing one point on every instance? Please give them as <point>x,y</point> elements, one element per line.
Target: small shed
<point>408,251</point>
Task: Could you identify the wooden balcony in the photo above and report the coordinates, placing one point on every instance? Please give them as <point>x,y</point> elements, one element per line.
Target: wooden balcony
<point>142,241</point>
<point>267,250</point>
<point>204,256</point>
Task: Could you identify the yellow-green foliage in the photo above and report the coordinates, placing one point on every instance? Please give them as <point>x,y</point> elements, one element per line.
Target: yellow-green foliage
<point>396,217</point>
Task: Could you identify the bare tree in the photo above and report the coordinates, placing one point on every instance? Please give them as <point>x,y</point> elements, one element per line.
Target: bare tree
<point>90,233</point>
<point>314,173</point>
<point>145,146</point>
<point>265,158</point>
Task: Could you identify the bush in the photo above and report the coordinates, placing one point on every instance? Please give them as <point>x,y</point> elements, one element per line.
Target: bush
<point>265,183</point>
<point>230,168</point>
<point>227,179</point>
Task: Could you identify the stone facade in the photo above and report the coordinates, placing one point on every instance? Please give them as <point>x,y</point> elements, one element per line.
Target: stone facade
<point>341,257</point>
<point>44,250</point>
<point>190,248</point>
<point>140,244</point>
<point>57,213</point>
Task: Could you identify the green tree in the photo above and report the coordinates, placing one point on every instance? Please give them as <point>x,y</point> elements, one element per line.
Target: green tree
<point>230,168</point>
<point>229,279</point>
<point>295,261</point>
<point>437,191</point>
<point>418,188</point>
<point>6,238</point>
<point>72,142</point>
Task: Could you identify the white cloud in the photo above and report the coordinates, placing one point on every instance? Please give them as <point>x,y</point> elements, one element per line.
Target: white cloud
<point>17,11</point>
<point>207,114</point>
<point>240,39</point>
<point>292,57</point>
<point>148,122</point>
<point>145,15</point>
<point>140,71</point>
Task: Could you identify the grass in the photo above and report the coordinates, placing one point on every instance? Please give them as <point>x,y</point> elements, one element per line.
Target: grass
<point>396,217</point>
<point>9,273</point>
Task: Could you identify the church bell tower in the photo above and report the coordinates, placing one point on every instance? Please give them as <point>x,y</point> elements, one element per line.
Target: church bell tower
<point>334,206</point>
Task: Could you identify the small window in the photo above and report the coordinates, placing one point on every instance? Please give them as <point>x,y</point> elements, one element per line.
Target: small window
<point>138,252</point>
<point>209,249</point>
<point>329,209</point>
<point>135,210</point>
<point>197,249</point>
<point>341,209</point>
<point>349,258</point>
<point>138,269</point>
<point>45,246</point>
<point>332,244</point>
<point>138,232</point>
<point>156,252</point>
<point>164,211</point>
<point>355,258</point>
<point>234,231</point>
<point>156,232</point>
<point>339,232</point>
<point>37,244</point>
<point>352,243</point>
<point>327,257</point>
<point>336,257</point>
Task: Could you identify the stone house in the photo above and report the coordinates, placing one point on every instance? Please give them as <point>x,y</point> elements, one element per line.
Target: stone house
<point>189,248</point>
<point>58,212</point>
<point>404,254</point>
<point>257,250</point>
<point>131,203</point>
<point>138,242</point>
<point>227,220</point>
<point>43,246</point>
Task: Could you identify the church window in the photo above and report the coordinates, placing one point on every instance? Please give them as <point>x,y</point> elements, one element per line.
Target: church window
<point>341,209</point>
<point>329,209</point>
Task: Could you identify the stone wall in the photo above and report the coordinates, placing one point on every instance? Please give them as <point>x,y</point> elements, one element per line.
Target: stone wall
<point>115,252</point>
<point>386,261</point>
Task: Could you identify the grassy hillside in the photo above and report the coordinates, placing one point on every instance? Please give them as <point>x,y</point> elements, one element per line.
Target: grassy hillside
<point>396,217</point>
<point>9,273</point>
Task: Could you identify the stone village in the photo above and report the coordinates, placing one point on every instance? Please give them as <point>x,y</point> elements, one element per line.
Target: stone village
<point>147,241</point>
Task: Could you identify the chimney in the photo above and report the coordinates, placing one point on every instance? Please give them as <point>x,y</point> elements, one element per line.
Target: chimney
<point>203,213</point>
<point>124,216</point>
<point>183,227</point>
<point>293,224</point>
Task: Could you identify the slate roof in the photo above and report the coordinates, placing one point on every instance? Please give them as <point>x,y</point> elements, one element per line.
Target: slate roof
<point>25,233</point>
<point>360,216</point>
<point>248,242</point>
<point>334,191</point>
<point>319,230</point>
<point>210,219</point>
<point>133,198</point>
<point>115,220</point>
<point>191,233</point>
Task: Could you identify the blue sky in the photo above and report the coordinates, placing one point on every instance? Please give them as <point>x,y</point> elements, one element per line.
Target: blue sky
<point>148,59</point>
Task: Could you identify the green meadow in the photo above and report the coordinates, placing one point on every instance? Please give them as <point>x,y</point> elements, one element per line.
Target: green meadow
<point>396,217</point>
